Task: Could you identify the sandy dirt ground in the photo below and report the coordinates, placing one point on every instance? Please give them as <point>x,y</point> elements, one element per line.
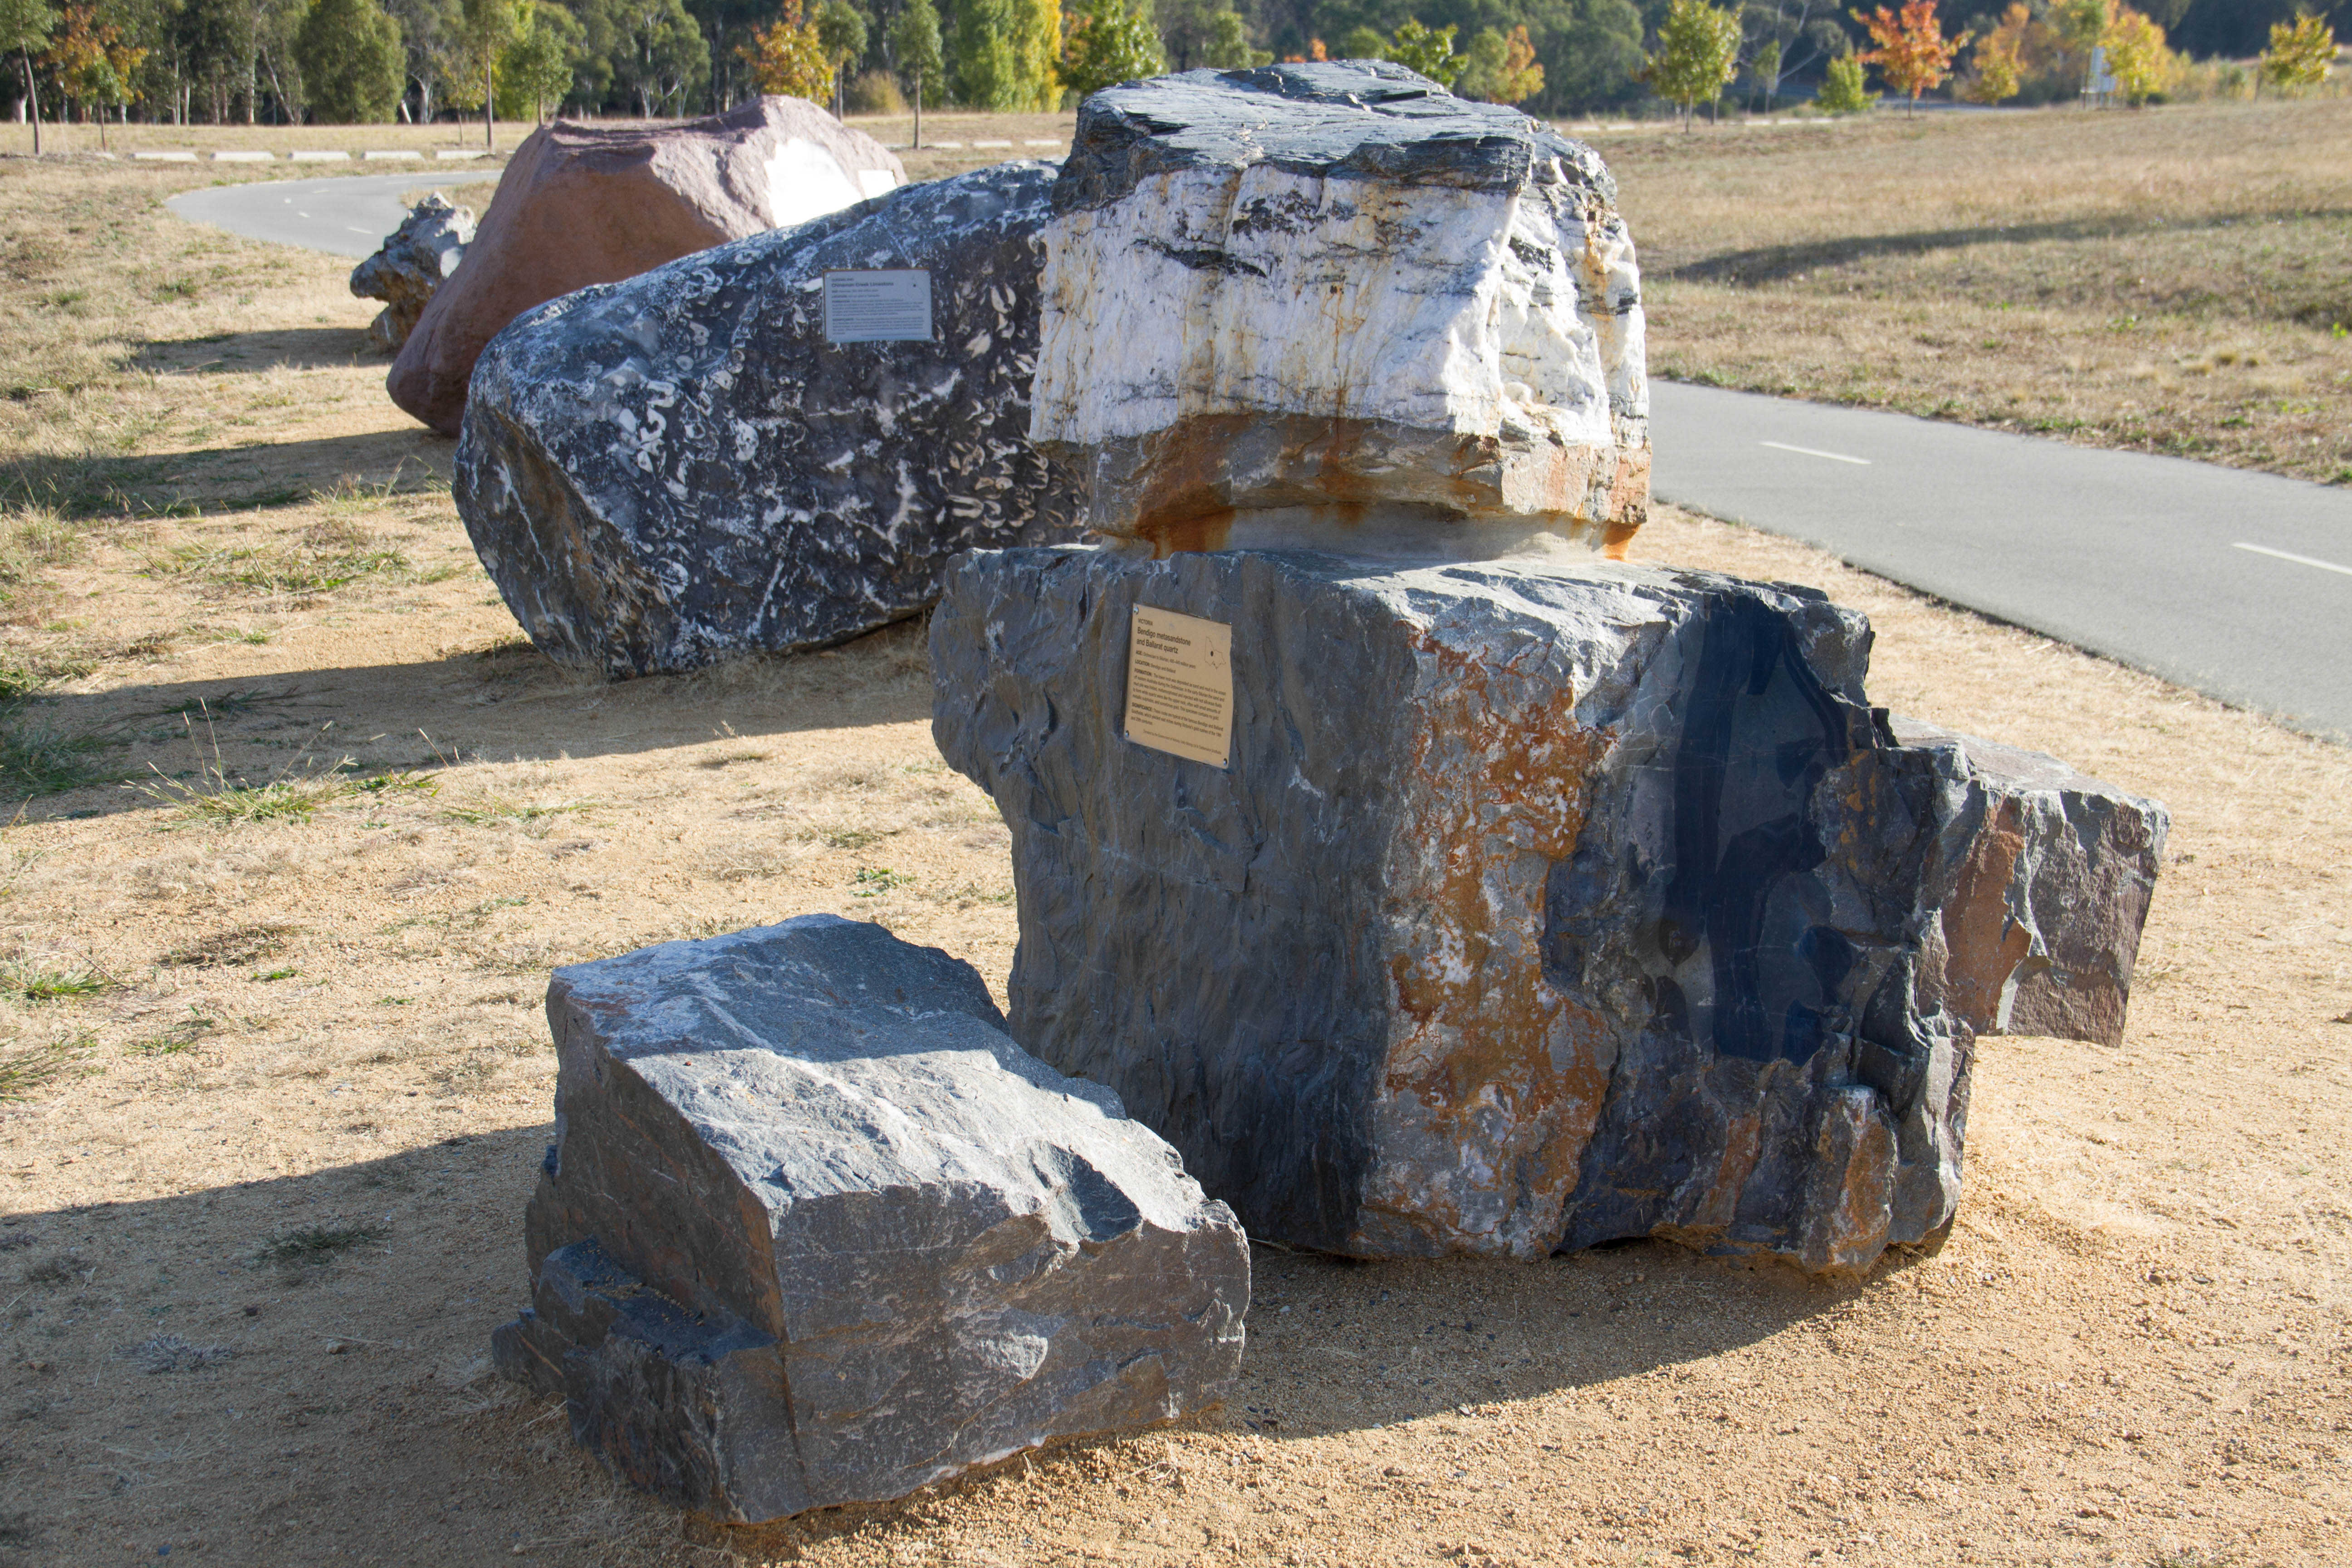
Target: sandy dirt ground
<point>281,1082</point>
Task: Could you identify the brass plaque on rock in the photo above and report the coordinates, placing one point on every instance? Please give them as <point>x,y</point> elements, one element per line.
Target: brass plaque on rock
<point>1180,685</point>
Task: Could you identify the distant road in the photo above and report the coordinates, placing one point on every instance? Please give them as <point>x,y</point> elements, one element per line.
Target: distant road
<point>2236,584</point>
<point>346,215</point>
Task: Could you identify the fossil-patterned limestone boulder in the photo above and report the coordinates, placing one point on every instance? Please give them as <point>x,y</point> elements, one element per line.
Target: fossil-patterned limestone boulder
<point>581,205</point>
<point>1334,303</point>
<point>416,258</point>
<point>1533,909</point>
<point>682,466</point>
<point>814,1231</point>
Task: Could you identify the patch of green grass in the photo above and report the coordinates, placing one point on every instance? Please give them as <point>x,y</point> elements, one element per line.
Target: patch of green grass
<point>181,1036</point>
<point>490,808</point>
<point>36,982</point>
<point>873,881</point>
<point>24,1072</point>
<point>277,975</point>
<point>217,800</point>
<point>39,757</point>
<point>319,1244</point>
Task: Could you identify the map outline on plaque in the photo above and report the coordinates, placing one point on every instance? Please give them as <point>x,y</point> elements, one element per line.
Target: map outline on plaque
<point>879,305</point>
<point>1180,685</point>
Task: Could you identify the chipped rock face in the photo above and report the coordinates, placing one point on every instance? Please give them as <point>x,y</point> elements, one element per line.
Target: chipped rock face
<point>682,468</point>
<point>1286,303</point>
<point>416,258</point>
<point>814,1231</point>
<point>1535,909</point>
<point>2042,879</point>
<point>581,205</point>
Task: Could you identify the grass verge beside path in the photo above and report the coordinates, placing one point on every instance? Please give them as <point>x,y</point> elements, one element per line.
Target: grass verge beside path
<point>2174,281</point>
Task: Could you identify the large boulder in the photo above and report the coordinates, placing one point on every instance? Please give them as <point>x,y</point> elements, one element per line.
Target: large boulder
<point>2041,876</point>
<point>814,1231</point>
<point>1329,302</point>
<point>1530,908</point>
<point>682,466</point>
<point>416,258</point>
<point>581,205</point>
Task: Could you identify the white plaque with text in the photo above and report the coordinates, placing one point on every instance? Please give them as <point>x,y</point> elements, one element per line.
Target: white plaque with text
<point>882,307</point>
<point>1180,685</point>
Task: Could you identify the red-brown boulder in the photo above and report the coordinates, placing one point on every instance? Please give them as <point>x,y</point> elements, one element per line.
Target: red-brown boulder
<point>582,205</point>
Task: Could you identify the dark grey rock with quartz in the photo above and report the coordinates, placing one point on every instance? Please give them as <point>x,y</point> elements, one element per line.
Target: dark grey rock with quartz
<point>1536,908</point>
<point>814,1231</point>
<point>679,468</point>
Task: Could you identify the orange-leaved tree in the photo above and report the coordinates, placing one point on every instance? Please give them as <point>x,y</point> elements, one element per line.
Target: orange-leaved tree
<point>1913,54</point>
<point>786,56</point>
<point>1998,68</point>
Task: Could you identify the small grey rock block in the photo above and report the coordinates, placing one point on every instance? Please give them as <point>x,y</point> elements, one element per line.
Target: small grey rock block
<point>416,259</point>
<point>814,1231</point>
<point>2041,878</point>
<point>1537,909</point>
<point>680,467</point>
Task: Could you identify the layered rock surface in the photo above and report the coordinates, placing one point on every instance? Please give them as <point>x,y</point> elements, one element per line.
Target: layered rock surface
<point>1533,910</point>
<point>417,257</point>
<point>681,466</point>
<point>1303,302</point>
<point>2041,878</point>
<point>581,205</point>
<point>814,1231</point>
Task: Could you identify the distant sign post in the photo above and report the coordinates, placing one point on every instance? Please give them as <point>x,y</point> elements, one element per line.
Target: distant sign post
<point>880,306</point>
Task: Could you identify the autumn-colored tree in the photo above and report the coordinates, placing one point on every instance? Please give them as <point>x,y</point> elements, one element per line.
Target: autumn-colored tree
<point>1912,52</point>
<point>2302,52</point>
<point>1500,69</point>
<point>94,64</point>
<point>1698,53</point>
<point>1997,70</point>
<point>2142,63</point>
<point>788,58</point>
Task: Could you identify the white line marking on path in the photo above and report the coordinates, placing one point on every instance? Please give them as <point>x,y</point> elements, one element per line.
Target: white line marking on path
<point>1810,452</point>
<point>2291,555</point>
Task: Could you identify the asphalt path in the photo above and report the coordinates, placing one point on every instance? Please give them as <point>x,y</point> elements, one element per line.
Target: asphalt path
<point>2234,583</point>
<point>346,215</point>
<point>2238,584</point>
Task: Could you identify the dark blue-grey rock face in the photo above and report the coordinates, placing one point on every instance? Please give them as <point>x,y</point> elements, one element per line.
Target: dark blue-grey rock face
<point>816,1231</point>
<point>1536,908</point>
<point>679,468</point>
<point>1368,119</point>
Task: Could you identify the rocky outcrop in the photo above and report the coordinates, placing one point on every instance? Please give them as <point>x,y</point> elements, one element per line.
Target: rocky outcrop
<point>1533,909</point>
<point>1327,303</point>
<point>684,467</point>
<point>2041,878</point>
<point>416,258</point>
<point>814,1231</point>
<point>581,205</point>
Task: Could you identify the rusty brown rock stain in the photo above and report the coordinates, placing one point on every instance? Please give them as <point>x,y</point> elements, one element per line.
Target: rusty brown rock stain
<point>1983,938</point>
<point>1488,1057</point>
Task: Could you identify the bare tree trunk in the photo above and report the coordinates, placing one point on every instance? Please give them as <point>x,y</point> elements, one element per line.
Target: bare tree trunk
<point>919,112</point>
<point>32,100</point>
<point>490,109</point>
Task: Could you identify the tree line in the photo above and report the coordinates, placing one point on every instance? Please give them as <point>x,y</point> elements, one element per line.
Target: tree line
<point>276,61</point>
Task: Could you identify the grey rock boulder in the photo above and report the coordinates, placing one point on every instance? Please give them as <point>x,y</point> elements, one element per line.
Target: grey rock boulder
<point>416,258</point>
<point>814,1231</point>
<point>1290,304</point>
<point>680,467</point>
<point>1535,909</point>
<point>2041,878</point>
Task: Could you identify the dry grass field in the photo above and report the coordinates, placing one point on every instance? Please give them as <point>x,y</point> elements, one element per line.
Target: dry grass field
<point>297,824</point>
<point>2174,280</point>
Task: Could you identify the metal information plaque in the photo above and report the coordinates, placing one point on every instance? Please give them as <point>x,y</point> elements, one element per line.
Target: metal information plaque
<point>892,307</point>
<point>1180,685</point>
